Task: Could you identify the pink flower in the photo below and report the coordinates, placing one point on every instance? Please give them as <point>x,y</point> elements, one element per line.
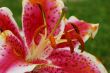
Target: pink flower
<point>48,42</point>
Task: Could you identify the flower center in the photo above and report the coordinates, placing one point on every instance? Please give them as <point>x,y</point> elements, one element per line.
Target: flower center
<point>38,52</point>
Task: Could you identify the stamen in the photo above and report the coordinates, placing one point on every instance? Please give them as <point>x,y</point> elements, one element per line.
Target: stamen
<point>70,43</point>
<point>53,42</point>
<point>76,28</point>
<point>64,10</point>
<point>38,30</point>
<point>35,2</point>
<point>44,18</point>
<point>78,37</point>
<point>51,37</point>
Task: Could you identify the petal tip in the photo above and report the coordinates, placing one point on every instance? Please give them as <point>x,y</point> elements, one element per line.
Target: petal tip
<point>95,28</point>
<point>7,10</point>
<point>100,66</point>
<point>73,19</point>
<point>60,3</point>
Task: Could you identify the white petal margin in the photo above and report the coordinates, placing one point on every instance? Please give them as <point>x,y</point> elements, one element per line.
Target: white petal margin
<point>60,3</point>
<point>21,67</point>
<point>100,66</point>
<point>91,57</point>
<point>7,11</point>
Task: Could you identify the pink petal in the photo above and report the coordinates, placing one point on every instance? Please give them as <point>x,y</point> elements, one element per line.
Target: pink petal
<point>32,17</point>
<point>11,50</point>
<point>76,62</point>
<point>49,70</point>
<point>7,22</point>
<point>86,30</point>
<point>21,67</point>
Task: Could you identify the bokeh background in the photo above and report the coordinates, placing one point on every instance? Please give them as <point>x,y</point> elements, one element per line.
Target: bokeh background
<point>93,11</point>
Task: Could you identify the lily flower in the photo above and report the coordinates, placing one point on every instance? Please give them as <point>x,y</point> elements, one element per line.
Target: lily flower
<point>48,42</point>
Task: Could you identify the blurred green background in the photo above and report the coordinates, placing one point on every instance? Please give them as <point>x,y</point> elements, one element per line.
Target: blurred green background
<point>93,11</point>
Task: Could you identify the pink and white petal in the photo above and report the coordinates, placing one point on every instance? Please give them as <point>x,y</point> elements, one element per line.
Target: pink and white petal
<point>31,20</point>
<point>21,67</point>
<point>48,50</point>
<point>32,17</point>
<point>7,22</point>
<point>53,10</point>
<point>86,30</point>
<point>11,50</point>
<point>76,62</point>
<point>96,61</point>
<point>49,70</point>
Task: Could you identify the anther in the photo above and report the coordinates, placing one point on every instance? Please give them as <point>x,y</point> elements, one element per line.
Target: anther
<point>34,2</point>
<point>44,18</point>
<point>52,40</point>
<point>75,28</point>
<point>78,37</point>
<point>65,9</point>
<point>1,30</point>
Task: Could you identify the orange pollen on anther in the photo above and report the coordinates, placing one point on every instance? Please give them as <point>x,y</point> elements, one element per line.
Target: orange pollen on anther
<point>36,2</point>
<point>33,1</point>
<point>52,40</point>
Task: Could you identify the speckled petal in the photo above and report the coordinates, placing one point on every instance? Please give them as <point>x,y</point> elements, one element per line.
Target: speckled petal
<point>11,50</point>
<point>49,70</point>
<point>33,19</point>
<point>21,67</point>
<point>7,22</point>
<point>85,28</point>
<point>86,31</point>
<point>76,62</point>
